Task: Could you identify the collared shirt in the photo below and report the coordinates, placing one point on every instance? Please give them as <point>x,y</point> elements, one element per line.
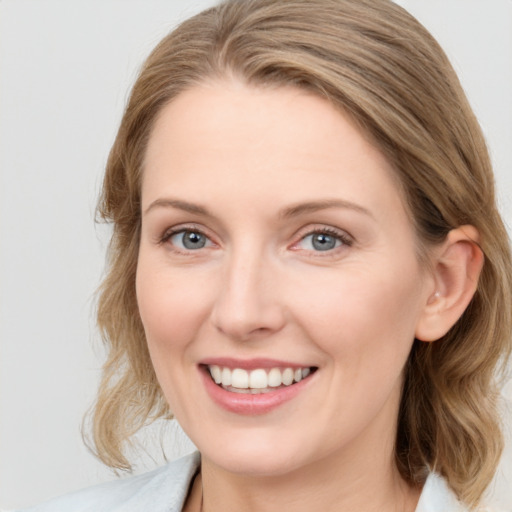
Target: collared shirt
<point>166,488</point>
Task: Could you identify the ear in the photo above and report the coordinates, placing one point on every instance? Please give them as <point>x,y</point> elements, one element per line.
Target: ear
<point>457,264</point>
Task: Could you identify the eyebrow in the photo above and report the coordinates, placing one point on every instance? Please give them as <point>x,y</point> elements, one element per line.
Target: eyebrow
<point>289,212</point>
<point>180,205</point>
<point>314,206</point>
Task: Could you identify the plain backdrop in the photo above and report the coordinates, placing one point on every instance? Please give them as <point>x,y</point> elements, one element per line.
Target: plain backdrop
<point>66,69</point>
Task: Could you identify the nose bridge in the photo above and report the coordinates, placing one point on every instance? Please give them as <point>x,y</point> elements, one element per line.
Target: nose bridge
<point>247,302</point>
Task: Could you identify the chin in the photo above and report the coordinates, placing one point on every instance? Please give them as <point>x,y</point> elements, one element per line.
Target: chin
<point>257,455</point>
<point>255,464</point>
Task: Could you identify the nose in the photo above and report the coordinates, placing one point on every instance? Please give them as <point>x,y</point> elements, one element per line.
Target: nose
<point>247,305</point>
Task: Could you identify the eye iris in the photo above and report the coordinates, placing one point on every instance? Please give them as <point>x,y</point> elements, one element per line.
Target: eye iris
<point>193,240</point>
<point>323,242</point>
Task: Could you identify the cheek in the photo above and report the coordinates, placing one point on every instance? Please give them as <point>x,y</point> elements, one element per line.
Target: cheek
<point>365,327</point>
<point>172,308</point>
<point>366,315</point>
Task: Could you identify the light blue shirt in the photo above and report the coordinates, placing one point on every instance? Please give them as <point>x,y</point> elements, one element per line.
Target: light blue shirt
<point>166,488</point>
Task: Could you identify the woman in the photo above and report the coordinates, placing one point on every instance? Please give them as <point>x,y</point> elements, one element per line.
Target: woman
<point>307,269</point>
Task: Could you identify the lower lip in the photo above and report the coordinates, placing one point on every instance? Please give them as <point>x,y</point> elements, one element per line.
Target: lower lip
<point>247,403</point>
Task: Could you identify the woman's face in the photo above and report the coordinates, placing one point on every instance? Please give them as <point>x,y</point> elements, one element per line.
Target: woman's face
<point>275,253</point>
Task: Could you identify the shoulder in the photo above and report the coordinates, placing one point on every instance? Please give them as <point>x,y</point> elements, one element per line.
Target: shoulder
<point>163,489</point>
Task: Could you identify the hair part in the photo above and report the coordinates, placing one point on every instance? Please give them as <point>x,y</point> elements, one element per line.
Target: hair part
<point>380,66</point>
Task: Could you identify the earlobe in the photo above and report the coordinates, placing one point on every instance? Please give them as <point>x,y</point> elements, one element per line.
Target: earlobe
<point>456,268</point>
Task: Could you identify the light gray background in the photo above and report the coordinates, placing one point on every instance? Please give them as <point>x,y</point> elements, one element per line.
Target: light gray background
<point>66,68</point>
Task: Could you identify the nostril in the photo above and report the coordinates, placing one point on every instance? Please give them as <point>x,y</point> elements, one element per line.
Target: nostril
<point>247,305</point>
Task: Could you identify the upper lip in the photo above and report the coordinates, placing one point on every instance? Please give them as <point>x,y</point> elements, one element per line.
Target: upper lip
<point>251,364</point>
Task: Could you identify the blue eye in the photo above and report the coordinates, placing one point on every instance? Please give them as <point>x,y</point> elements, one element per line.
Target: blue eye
<point>189,240</point>
<point>322,241</point>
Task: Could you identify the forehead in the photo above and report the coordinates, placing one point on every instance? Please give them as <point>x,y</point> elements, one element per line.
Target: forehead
<point>269,142</point>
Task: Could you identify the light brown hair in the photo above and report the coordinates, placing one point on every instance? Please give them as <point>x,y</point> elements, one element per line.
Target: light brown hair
<point>374,61</point>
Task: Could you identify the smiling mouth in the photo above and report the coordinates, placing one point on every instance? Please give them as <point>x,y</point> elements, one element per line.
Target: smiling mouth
<point>239,380</point>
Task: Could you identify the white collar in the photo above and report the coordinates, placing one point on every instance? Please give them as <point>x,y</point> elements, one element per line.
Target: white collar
<point>436,496</point>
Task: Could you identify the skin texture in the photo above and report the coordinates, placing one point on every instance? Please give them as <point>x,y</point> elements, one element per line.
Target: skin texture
<point>259,289</point>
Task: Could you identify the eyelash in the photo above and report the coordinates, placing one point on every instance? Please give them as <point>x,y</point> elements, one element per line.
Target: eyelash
<point>346,241</point>
<point>168,234</point>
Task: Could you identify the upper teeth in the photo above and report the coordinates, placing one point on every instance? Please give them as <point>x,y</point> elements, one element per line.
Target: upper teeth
<point>257,379</point>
